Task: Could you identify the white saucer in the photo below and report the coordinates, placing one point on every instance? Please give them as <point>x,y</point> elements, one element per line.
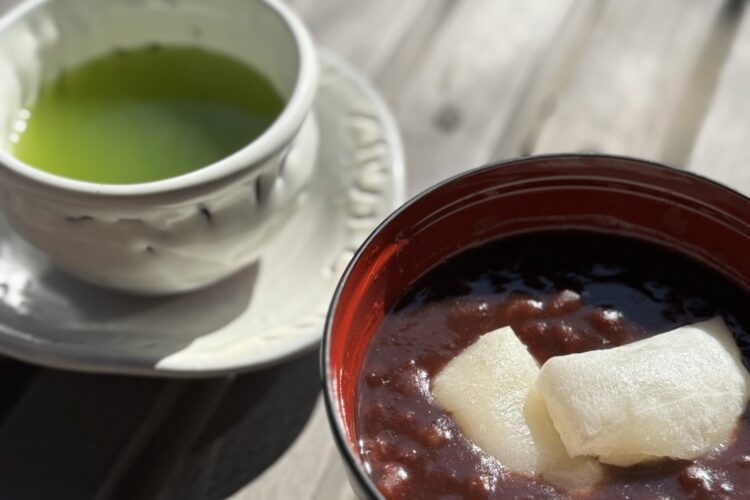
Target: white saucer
<point>262,316</point>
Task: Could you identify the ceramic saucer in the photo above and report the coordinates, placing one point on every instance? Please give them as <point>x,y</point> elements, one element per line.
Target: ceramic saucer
<point>267,313</point>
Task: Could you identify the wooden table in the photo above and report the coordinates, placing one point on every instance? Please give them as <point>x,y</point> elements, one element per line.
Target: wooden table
<point>470,81</point>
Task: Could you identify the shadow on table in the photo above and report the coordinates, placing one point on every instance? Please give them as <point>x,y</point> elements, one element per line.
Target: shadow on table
<point>67,435</point>
<point>258,419</point>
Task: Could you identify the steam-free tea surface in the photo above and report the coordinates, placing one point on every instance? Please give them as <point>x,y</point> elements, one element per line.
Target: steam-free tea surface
<point>144,115</point>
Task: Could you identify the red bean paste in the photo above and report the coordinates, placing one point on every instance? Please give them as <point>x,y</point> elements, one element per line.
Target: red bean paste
<point>562,292</point>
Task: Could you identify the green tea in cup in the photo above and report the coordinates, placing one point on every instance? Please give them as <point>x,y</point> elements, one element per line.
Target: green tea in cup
<point>144,114</point>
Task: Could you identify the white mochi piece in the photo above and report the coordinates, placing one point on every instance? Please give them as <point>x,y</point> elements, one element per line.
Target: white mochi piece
<point>488,391</point>
<point>677,395</point>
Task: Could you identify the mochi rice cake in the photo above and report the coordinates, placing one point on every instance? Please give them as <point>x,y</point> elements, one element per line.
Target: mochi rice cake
<point>609,368</point>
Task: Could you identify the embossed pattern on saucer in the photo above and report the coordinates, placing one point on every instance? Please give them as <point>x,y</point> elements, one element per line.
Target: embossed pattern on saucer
<point>265,314</point>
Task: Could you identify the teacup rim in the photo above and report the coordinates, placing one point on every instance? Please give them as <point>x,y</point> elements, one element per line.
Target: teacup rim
<point>273,138</point>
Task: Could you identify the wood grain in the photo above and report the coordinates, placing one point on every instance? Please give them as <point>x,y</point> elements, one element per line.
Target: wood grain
<point>457,98</point>
<point>310,470</point>
<point>722,149</point>
<point>368,34</point>
<point>703,82</point>
<point>251,429</point>
<point>70,433</point>
<point>628,82</point>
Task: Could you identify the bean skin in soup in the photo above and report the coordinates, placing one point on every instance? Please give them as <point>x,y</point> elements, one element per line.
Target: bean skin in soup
<point>562,293</point>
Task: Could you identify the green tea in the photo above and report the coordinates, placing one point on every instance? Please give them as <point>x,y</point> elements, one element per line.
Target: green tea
<point>144,114</point>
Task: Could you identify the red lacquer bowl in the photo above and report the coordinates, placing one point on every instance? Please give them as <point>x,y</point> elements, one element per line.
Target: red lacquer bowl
<point>625,196</point>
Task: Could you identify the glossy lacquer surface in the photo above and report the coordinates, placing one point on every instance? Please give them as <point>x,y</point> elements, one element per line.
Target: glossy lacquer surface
<point>614,195</point>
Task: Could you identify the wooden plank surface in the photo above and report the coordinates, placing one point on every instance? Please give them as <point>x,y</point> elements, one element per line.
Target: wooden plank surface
<point>626,85</point>
<point>455,100</point>
<point>312,461</point>
<point>257,420</point>
<point>69,433</point>
<point>451,71</point>
<point>722,149</point>
<point>368,34</point>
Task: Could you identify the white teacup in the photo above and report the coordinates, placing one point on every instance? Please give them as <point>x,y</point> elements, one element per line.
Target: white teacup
<point>180,233</point>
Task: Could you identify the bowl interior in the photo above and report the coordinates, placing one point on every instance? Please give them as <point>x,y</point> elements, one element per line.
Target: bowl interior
<point>616,195</point>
